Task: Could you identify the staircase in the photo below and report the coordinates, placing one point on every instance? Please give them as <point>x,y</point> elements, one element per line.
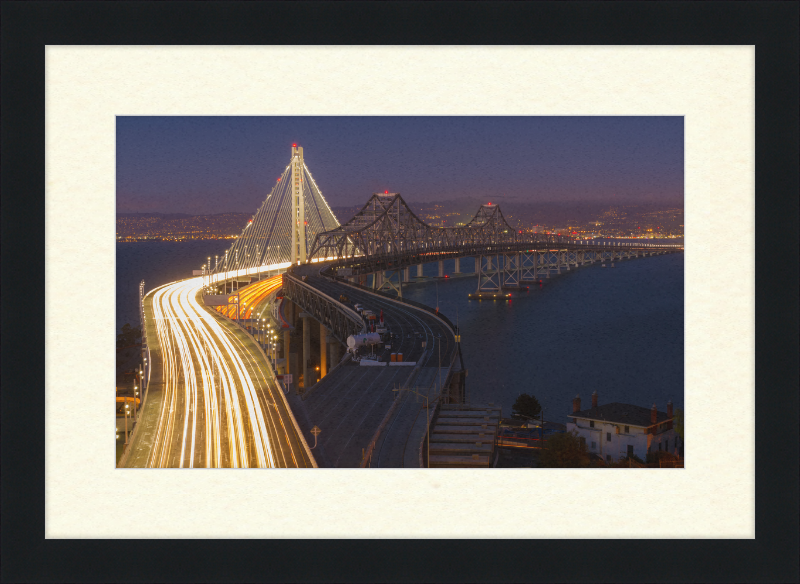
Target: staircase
<point>463,436</point>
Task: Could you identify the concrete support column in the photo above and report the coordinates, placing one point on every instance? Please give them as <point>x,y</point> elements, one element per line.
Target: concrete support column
<point>309,377</point>
<point>335,348</point>
<point>288,311</point>
<point>323,351</point>
<point>407,274</point>
<point>441,268</point>
<point>458,266</point>
<point>287,335</point>
<point>419,271</point>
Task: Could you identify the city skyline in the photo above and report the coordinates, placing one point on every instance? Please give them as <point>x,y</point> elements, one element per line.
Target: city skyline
<point>190,164</point>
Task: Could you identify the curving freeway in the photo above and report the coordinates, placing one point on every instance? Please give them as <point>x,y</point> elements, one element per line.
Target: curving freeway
<point>212,400</point>
<point>351,402</point>
<point>251,296</point>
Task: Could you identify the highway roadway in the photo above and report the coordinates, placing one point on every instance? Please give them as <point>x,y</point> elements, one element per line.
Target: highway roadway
<point>214,402</point>
<point>350,403</point>
<point>410,326</point>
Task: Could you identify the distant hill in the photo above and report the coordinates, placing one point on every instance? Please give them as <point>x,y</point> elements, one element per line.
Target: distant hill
<point>173,216</point>
<point>163,216</point>
<point>613,218</point>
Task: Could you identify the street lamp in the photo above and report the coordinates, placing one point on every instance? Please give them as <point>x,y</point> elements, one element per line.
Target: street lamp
<point>126,424</point>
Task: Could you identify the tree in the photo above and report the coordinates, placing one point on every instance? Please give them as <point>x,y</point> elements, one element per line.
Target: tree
<point>526,406</point>
<point>564,450</point>
<point>129,336</point>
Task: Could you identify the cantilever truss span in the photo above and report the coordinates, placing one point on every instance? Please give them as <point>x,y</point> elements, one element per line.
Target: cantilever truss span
<point>386,228</point>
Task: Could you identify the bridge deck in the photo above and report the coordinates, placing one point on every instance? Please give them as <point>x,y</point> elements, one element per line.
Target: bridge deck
<point>349,404</point>
<point>409,326</point>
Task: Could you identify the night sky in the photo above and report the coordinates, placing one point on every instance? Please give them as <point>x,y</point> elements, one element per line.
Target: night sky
<point>200,165</point>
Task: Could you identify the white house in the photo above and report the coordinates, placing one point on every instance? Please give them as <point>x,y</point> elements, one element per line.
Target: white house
<point>613,431</point>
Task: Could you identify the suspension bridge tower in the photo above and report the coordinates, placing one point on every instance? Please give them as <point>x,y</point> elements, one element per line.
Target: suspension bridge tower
<point>280,232</point>
<point>298,207</point>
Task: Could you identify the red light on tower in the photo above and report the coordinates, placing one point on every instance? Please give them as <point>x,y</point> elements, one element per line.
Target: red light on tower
<point>385,192</point>
<point>294,145</point>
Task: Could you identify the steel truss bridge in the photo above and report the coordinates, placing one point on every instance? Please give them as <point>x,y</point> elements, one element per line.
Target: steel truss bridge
<point>386,238</point>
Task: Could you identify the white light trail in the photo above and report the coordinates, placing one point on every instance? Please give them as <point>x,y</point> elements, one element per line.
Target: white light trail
<point>214,410</point>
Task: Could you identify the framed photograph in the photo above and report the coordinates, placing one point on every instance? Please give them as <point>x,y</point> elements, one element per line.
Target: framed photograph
<point>705,511</point>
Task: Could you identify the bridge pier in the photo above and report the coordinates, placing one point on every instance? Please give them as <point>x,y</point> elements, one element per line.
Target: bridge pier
<point>287,335</point>
<point>407,274</point>
<point>419,271</point>
<point>335,348</point>
<point>488,269</point>
<point>527,266</point>
<point>309,377</point>
<point>441,268</point>
<point>511,271</point>
<point>323,351</point>
<point>388,283</point>
<point>458,266</point>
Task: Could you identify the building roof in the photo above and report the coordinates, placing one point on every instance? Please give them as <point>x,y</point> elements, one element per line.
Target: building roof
<point>618,413</point>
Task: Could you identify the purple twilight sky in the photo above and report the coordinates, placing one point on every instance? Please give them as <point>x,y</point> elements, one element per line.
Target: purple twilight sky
<point>201,165</point>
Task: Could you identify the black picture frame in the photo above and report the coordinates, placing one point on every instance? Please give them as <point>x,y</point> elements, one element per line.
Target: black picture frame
<point>27,27</point>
